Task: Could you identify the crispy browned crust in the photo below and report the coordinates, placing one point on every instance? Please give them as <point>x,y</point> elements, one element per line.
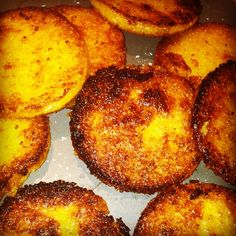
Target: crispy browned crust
<point>28,26</point>
<point>197,51</point>
<point>107,125</point>
<point>37,143</point>
<point>24,212</point>
<point>216,104</point>
<point>150,18</point>
<point>179,210</point>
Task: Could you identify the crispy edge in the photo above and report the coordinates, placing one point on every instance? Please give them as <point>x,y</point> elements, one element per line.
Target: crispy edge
<point>194,189</point>
<point>198,120</point>
<point>56,193</point>
<point>141,26</point>
<point>22,168</point>
<point>139,73</point>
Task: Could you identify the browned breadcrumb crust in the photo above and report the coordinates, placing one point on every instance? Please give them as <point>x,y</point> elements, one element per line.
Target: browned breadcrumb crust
<point>214,121</point>
<point>115,128</point>
<point>150,18</point>
<point>37,144</point>
<point>24,213</point>
<point>179,210</point>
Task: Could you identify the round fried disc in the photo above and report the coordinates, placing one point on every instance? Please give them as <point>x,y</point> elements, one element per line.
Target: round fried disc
<point>214,121</point>
<point>43,62</point>
<point>198,50</point>
<point>24,147</point>
<point>153,18</point>
<point>57,208</point>
<point>132,127</point>
<point>191,209</point>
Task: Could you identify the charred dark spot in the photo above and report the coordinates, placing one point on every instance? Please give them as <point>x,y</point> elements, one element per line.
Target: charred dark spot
<point>146,7</point>
<point>23,170</point>
<point>124,229</point>
<point>4,182</point>
<point>181,17</point>
<point>155,97</point>
<point>196,193</point>
<point>36,28</point>
<point>49,229</point>
<point>23,15</point>
<point>135,74</point>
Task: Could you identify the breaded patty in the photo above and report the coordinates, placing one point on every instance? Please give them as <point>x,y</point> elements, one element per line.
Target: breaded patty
<point>214,121</point>
<point>43,62</point>
<point>57,208</point>
<point>153,18</point>
<point>198,50</point>
<point>132,127</point>
<point>105,42</point>
<point>191,209</point>
<point>24,145</point>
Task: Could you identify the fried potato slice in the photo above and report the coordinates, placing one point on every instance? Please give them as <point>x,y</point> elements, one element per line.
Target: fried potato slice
<point>153,18</point>
<point>132,127</point>
<point>57,208</point>
<point>214,121</point>
<point>105,42</point>
<point>191,209</point>
<point>198,50</point>
<point>24,147</point>
<point>43,62</point>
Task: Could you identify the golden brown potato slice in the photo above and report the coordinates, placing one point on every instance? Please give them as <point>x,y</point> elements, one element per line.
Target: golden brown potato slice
<point>191,209</point>
<point>24,145</point>
<point>214,121</point>
<point>153,18</point>
<point>105,42</point>
<point>57,208</point>
<point>43,62</point>
<point>198,50</point>
<point>132,127</point>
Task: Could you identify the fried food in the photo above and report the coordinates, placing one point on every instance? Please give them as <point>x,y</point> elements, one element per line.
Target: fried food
<point>43,62</point>
<point>198,50</point>
<point>105,42</point>
<point>132,127</point>
<point>57,208</point>
<point>24,146</point>
<point>214,121</point>
<point>153,18</point>
<point>191,209</point>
